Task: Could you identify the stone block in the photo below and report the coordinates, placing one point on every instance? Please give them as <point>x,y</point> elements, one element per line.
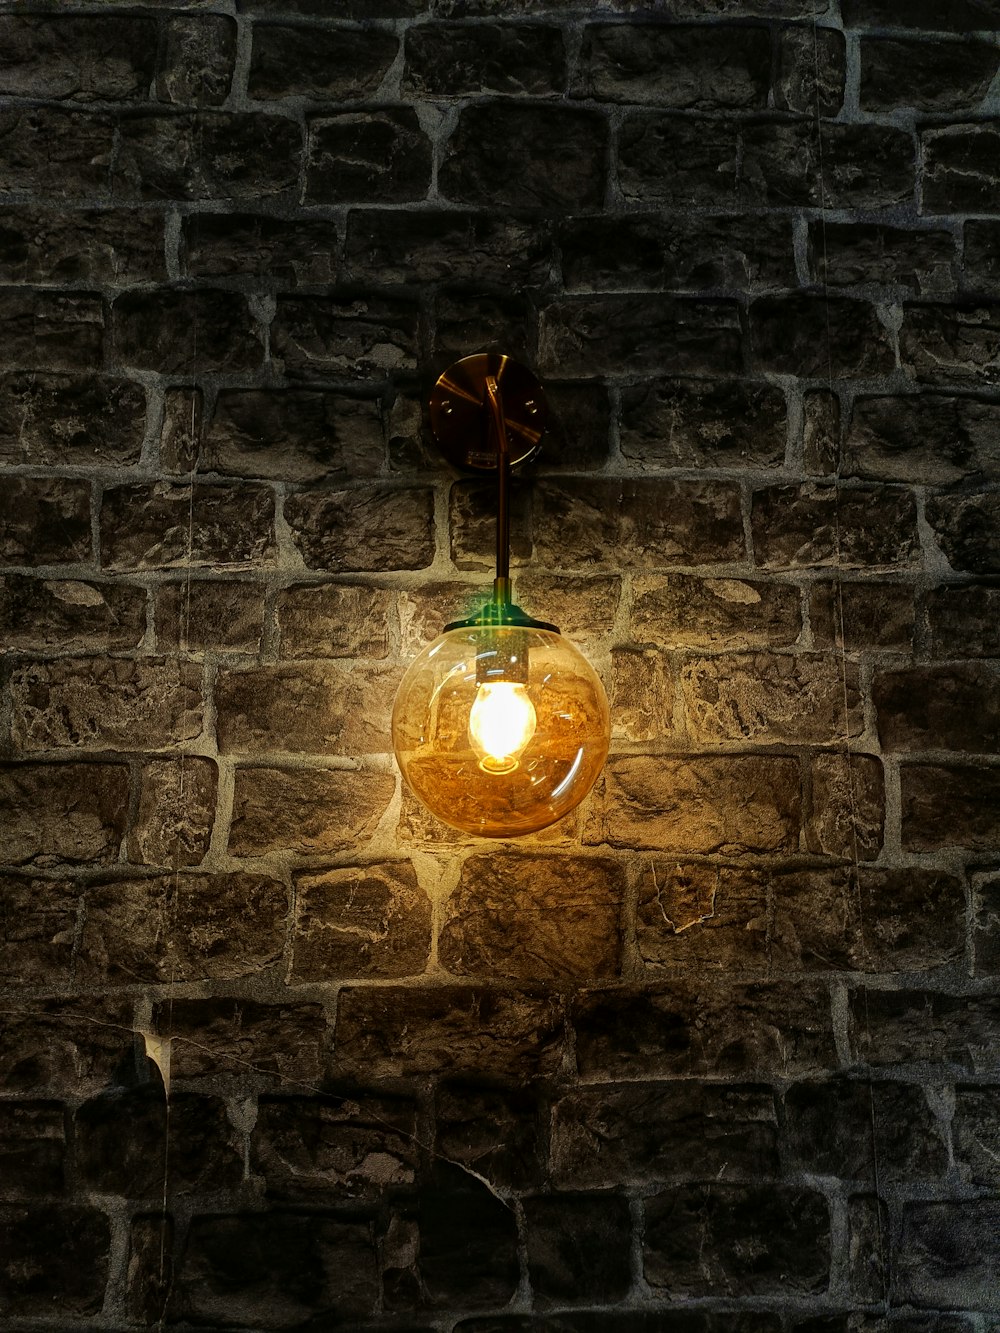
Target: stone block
<point>333,620</point>
<point>929,438</point>
<point>455,60</point>
<point>79,58</point>
<point>472,524</point>
<point>83,421</point>
<point>495,322</point>
<point>641,694</point>
<point>169,525</point>
<point>986,924</point>
<point>578,1247</point>
<point>495,249</point>
<point>811,71</point>
<point>982,255</point>
<point>851,254</point>
<point>666,158</point>
<point>330,1148</point>
<point>727,805</point>
<point>662,334</point>
<point>648,523</point>
<point>275,1269</point>
<point>47,330</point>
<point>534,918</point>
<point>685,67</point>
<point>182,430</point>
<point>173,825</point>
<point>967,529</point>
<point>653,252</point>
<point>311,708</point>
<point>954,707</point>
<point>678,611</point>
<point>283,1042</point>
<point>786,163</point>
<point>38,919</point>
<point>585,608</point>
<point>561,152</point>
<point>699,424</point>
<point>867,1246</point>
<point>976,1135</point>
<point>951,344</point>
<point>759,1029</point>
<point>820,431</point>
<point>199,53</point>
<point>368,157</point>
<point>373,528</point>
<point>869,920</point>
<point>396,1031</point>
<point>63,154</point>
<point>639,1134</point>
<point>32,1147</point>
<point>150,1270</point>
<point>219,155</point>
<point>321,64</point>
<point>425,610</point>
<point>960,16</point>
<point>696,916</point>
<point>98,703</point>
<point>360,921</point>
<point>817,525</point>
<point>929,76</point>
<point>957,161</point>
<point>817,338</point>
<point>862,616</point>
<point>306,811</point>
<point>493,1132</point>
<point>748,1240</point>
<point>953,805</point>
<point>289,253</point>
<point>185,332</point>
<point>53,813</point>
<point>964,621</point>
<point>53,1259</point>
<point>65,1046</point>
<point>916,1027</point>
<point>126,1143</point>
<point>112,245</point>
<point>200,614</point>
<point>771,698</point>
<point>44,521</point>
<point>948,1254</point>
<point>827,1127</point>
<point>182,928</point>
<point>847,817</point>
<point>368,338</point>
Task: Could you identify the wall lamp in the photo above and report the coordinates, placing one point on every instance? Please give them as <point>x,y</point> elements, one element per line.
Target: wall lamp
<point>500,726</point>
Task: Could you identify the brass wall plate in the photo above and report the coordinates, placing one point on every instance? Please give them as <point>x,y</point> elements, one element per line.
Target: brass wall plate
<point>460,415</point>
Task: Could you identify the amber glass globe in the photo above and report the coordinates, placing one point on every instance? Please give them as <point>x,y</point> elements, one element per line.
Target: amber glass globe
<point>500,730</point>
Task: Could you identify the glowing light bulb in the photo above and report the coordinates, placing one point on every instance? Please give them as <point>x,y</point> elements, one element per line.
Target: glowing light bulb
<point>502,722</point>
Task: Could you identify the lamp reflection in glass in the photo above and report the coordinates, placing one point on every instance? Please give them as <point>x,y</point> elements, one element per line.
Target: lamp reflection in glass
<point>500,726</point>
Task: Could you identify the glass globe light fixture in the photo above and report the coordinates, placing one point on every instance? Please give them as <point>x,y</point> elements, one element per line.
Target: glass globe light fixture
<point>500,726</point>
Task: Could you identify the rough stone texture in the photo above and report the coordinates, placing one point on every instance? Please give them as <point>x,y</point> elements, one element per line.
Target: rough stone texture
<point>447,60</point>
<point>848,806</point>
<point>48,420</point>
<point>786,163</point>
<point>179,332</point>
<point>981,265</point>
<point>957,166</point>
<point>169,525</point>
<point>732,804</point>
<point>62,1045</point>
<point>78,59</point>
<point>820,431</point>
<point>642,694</point>
<point>308,811</point>
<point>680,611</point>
<point>959,16</point>
<point>495,1133</point>
<point>795,527</point>
<point>54,1260</point>
<point>803,335</point>
<point>333,620</point>
<point>578,1247</point>
<point>946,344</point>
<point>182,928</point>
<point>363,157</point>
<point>910,1027</point>
<point>688,423</point>
<point>964,621</point>
<point>955,437</point>
<point>336,64</point>
<point>293,253</point>
<point>986,925</point>
<point>931,76</point>
<point>200,614</point>
<point>949,1253</point>
<point>361,921</point>
<point>847,255</point>
<point>695,917</point>
<point>949,806</point>
<point>966,527</point>
<point>532,918</point>
<point>87,246</point>
<point>47,330</point>
<point>857,616</point>
<point>933,708</point>
<point>52,150</point>
<point>690,160</point>
<point>33,1146</point>
<point>196,67</point>
<point>363,530</point>
<point>976,1130</point>
<point>53,813</point>
<point>208,1037</point>
<point>323,338</point>
<point>38,920</point>
<point>45,521</point>
<point>811,71</point>
<point>105,703</point>
<point>176,811</point>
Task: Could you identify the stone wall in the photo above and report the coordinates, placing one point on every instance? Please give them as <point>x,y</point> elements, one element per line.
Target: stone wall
<point>721,1052</point>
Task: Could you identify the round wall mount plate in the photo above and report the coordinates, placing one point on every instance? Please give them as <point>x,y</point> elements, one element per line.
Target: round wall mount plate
<point>460,415</point>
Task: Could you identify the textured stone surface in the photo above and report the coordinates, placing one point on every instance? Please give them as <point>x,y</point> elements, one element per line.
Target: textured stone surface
<point>820,430</point>
<point>846,166</point>
<point>44,521</point>
<point>333,620</point>
<point>731,804</point>
<point>676,66</point>
<point>183,332</point>
<point>150,1270</point>
<point>578,1247</point>
<point>322,338</point>
<point>292,253</point>
<point>981,264</point>
<point>51,150</point>
<point>950,806</point>
<point>913,1027</point>
<point>986,925</point>
<point>957,165</point>
<point>931,76</point>
<point>209,1037</point>
<point>374,528</point>
<point>688,160</point>
<point>105,703</point>
<point>80,420</point>
<point>804,335</point>
<point>462,1029</point>
<point>605,1136</point>
<point>976,1130</point>
<point>365,157</point>
<point>848,806</point>
<point>447,60</point>
<point>665,334</point>
<point>964,621</point>
<point>692,916</point>
<point>494,1132</point>
<point>955,437</point>
<point>32,1146</point>
<point>680,611</point>
<point>65,1045</point>
<point>849,254</point>
<point>182,928</point>
<point>860,615</point>
<point>173,825</point>
<point>54,1260</point>
<point>196,68</point>
<point>38,920</point>
<point>200,614</point>
<point>533,918</point>
<point>360,921</point>
<point>931,708</point>
<point>642,694</point>
<point>752,1240</point>
<point>312,1148</point>
<point>949,1254</point>
<point>307,811</point>
<point>811,71</point>
<point>728,1030</point>
<point>77,58</point>
<point>960,16</point>
<point>966,527</point>
<point>54,813</point>
<point>951,344</point>
<point>691,423</point>
<point>335,64</point>
<point>169,525</point>
<point>87,246</point>
<point>797,527</point>
<point>45,330</point>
